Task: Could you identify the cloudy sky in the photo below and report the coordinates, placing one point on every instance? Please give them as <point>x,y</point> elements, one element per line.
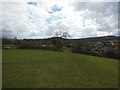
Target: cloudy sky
<point>42,18</point>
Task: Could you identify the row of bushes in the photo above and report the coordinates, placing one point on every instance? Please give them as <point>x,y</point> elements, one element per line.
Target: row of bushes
<point>110,53</point>
<point>85,52</point>
<point>107,54</point>
<point>84,48</point>
<point>59,44</point>
<point>28,46</point>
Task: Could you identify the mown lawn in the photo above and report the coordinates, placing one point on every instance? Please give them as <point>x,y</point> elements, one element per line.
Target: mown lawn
<point>49,69</point>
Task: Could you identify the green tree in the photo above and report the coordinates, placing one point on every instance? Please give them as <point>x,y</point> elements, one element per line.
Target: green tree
<point>81,47</point>
<point>58,42</point>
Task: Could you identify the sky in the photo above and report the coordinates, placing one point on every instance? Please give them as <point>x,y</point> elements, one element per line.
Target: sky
<point>43,18</point>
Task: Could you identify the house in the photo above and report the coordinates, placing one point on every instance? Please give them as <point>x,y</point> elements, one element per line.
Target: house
<point>7,47</point>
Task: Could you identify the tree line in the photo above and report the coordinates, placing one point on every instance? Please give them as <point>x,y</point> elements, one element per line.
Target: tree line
<point>59,44</point>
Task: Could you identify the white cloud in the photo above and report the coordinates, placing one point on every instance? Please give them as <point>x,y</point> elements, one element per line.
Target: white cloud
<point>79,19</point>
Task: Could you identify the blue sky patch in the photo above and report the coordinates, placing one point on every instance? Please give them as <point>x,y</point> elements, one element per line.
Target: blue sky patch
<point>32,3</point>
<point>55,8</point>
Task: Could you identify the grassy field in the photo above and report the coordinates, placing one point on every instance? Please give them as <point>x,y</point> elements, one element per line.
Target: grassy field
<point>48,69</point>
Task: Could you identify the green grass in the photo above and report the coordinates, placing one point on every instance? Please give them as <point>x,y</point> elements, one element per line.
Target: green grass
<point>9,45</point>
<point>49,69</point>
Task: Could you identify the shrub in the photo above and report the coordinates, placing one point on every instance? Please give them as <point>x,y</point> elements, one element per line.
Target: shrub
<point>112,53</point>
<point>24,45</point>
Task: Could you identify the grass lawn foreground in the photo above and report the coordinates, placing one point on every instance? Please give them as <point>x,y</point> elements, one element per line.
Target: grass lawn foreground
<point>50,69</point>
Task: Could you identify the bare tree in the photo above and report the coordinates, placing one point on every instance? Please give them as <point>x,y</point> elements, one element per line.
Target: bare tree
<point>62,34</point>
<point>65,35</point>
<point>56,34</point>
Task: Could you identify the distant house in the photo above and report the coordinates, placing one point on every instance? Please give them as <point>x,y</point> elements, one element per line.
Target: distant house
<point>7,47</point>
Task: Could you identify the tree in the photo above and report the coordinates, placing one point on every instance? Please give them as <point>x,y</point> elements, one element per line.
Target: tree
<point>65,35</point>
<point>112,52</point>
<point>6,41</point>
<point>58,42</point>
<point>81,47</point>
<point>62,34</point>
<point>16,41</point>
<point>24,45</point>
